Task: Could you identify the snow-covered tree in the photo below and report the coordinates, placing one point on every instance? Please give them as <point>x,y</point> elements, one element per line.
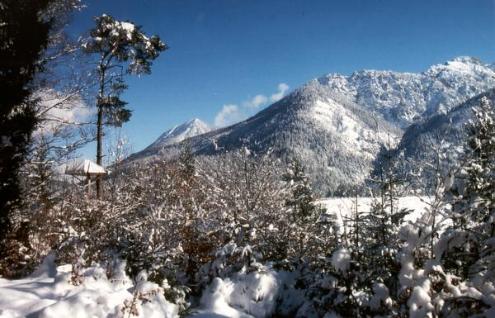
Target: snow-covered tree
<point>453,274</point>
<point>197,247</point>
<point>303,213</point>
<point>355,231</point>
<point>474,201</point>
<point>384,220</point>
<point>120,47</point>
<point>246,202</point>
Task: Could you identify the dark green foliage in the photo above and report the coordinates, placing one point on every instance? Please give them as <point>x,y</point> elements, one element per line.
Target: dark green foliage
<point>23,37</point>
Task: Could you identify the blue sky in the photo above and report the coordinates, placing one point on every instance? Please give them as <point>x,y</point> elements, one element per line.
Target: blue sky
<point>226,52</point>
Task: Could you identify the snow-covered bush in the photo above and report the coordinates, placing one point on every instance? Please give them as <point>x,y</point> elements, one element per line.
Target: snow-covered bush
<point>253,293</point>
<point>246,198</point>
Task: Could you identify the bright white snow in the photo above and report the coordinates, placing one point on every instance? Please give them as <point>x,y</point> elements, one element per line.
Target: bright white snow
<point>49,293</point>
<point>343,207</point>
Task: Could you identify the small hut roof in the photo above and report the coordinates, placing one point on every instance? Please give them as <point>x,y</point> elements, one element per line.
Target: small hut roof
<point>83,168</point>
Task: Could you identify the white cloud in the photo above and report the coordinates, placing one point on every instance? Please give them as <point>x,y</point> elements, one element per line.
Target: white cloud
<point>282,89</point>
<point>256,101</point>
<point>229,114</point>
<point>56,110</point>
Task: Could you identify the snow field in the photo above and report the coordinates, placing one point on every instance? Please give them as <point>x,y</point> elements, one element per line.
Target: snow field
<point>344,207</point>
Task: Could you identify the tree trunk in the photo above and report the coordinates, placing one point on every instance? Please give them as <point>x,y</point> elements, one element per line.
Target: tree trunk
<point>99,127</point>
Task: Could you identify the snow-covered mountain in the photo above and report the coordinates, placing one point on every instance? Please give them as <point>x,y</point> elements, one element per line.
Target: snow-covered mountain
<point>179,133</point>
<point>403,98</point>
<point>335,124</point>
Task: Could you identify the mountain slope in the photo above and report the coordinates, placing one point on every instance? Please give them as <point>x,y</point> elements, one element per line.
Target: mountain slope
<point>336,124</point>
<point>445,132</point>
<point>179,133</point>
<point>335,138</point>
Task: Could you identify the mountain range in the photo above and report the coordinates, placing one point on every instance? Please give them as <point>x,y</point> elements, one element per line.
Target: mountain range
<point>336,124</point>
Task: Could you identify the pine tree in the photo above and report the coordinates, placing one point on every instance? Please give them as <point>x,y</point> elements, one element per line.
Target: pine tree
<point>303,212</point>
<point>480,187</point>
<point>121,48</point>
<point>355,234</point>
<point>383,222</point>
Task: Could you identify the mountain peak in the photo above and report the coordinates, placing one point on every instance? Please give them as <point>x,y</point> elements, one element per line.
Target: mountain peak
<point>196,121</point>
<point>466,60</point>
<point>181,132</point>
<point>462,65</point>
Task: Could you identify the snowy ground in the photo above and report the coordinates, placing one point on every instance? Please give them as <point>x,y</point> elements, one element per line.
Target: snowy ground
<point>342,207</point>
<point>48,293</point>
